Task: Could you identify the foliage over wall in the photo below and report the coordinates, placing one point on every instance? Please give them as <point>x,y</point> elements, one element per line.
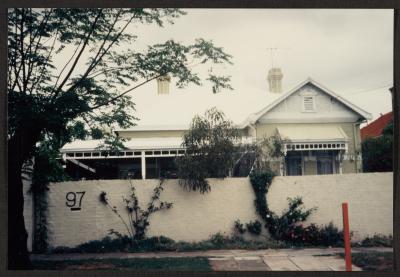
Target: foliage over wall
<point>46,169</point>
<point>377,152</point>
<point>287,227</point>
<point>210,150</point>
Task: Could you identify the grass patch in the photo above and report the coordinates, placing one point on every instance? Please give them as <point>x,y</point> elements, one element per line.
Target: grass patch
<point>176,264</point>
<point>373,261</point>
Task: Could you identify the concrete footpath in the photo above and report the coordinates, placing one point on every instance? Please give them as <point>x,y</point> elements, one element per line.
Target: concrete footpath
<point>307,259</point>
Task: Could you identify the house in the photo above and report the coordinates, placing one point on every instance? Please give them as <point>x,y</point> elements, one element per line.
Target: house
<point>320,130</point>
<point>375,128</point>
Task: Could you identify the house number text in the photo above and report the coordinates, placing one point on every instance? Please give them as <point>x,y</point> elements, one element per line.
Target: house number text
<point>74,200</point>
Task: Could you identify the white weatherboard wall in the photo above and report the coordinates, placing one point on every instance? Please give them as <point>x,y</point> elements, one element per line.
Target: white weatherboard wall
<point>196,216</point>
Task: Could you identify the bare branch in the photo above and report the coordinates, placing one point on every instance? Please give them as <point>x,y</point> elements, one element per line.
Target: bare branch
<point>22,48</point>
<point>79,55</point>
<point>65,66</point>
<point>30,62</point>
<point>42,23</point>
<point>125,92</point>
<point>94,63</point>
<point>104,70</point>
<point>104,41</point>
<point>41,70</point>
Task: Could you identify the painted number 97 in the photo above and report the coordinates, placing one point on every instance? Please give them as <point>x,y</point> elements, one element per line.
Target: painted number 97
<point>74,200</point>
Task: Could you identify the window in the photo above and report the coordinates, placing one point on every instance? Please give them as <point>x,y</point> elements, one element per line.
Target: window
<point>325,162</point>
<point>308,104</point>
<point>293,162</point>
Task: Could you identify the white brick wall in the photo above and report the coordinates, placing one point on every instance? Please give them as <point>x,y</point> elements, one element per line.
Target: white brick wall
<point>369,195</point>
<point>196,216</point>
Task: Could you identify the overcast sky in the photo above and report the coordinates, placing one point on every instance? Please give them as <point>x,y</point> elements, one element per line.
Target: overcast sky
<point>347,51</point>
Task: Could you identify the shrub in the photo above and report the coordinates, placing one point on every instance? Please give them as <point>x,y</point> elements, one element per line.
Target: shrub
<point>239,227</point>
<point>377,240</point>
<point>254,227</point>
<point>327,235</point>
<point>287,227</point>
<point>107,244</point>
<point>218,239</point>
<point>120,244</point>
<point>292,216</point>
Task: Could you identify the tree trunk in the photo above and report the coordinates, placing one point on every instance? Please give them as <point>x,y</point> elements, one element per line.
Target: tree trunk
<point>18,257</point>
<point>20,148</point>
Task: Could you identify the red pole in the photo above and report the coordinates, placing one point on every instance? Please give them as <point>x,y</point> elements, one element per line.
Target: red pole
<point>346,235</point>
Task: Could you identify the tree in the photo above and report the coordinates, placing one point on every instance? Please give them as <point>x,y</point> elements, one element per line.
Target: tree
<point>377,152</point>
<point>90,90</point>
<point>210,150</point>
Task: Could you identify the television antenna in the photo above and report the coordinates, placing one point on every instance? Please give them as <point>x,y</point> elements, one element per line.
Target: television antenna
<point>271,52</point>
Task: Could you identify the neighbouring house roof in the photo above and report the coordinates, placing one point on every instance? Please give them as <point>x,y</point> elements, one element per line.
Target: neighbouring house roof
<point>375,128</point>
<point>314,133</point>
<point>256,116</point>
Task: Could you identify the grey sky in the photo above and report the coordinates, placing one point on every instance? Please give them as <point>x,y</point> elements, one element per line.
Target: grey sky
<point>348,51</point>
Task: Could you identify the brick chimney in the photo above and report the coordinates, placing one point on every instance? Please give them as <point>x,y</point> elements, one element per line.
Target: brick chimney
<point>274,78</point>
<point>163,83</point>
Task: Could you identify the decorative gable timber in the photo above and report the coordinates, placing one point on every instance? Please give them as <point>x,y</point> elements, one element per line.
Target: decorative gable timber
<point>342,111</point>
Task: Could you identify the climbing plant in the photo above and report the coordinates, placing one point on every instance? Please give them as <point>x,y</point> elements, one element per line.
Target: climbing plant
<point>287,227</point>
<point>42,170</point>
<point>138,218</point>
<point>276,225</point>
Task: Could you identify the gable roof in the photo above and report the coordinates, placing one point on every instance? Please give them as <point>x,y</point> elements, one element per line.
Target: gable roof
<point>375,128</point>
<point>256,116</point>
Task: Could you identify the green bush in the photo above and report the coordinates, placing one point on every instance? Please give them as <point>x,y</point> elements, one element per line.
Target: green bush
<point>239,227</point>
<point>254,227</point>
<point>287,227</point>
<point>119,244</point>
<point>210,150</point>
<point>292,216</point>
<point>327,235</point>
<point>377,240</point>
<point>216,241</point>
